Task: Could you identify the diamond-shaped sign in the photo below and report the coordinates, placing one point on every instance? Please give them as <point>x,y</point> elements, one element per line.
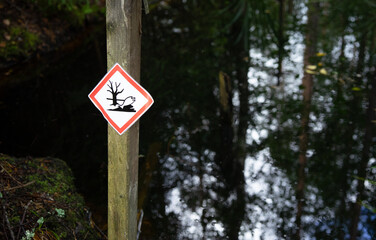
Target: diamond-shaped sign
<point>120,99</point>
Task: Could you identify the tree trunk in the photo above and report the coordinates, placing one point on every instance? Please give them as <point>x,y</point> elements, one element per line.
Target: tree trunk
<point>243,115</point>
<point>281,41</point>
<point>232,152</point>
<point>367,141</point>
<point>231,165</point>
<point>307,83</point>
<point>123,24</point>
<point>225,154</point>
<point>238,206</point>
<point>114,99</point>
<point>362,172</point>
<point>347,139</point>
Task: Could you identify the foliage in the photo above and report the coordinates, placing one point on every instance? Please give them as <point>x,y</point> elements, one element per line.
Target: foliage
<point>74,10</point>
<point>42,25</point>
<point>21,42</point>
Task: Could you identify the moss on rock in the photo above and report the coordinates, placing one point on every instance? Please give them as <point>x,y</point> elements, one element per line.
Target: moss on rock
<point>39,201</point>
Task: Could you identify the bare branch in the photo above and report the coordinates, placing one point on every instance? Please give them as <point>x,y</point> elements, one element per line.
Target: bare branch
<point>111,87</point>
<point>7,221</point>
<point>10,175</point>
<point>19,186</point>
<point>117,86</point>
<point>117,89</point>
<point>23,218</point>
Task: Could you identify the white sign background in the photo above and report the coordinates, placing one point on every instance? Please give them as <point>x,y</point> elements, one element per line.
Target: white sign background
<point>120,120</point>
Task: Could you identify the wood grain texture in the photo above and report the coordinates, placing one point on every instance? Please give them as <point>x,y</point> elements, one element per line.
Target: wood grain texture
<point>123,26</point>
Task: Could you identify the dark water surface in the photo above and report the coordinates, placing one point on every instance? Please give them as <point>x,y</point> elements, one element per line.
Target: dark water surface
<point>190,185</point>
<point>45,111</point>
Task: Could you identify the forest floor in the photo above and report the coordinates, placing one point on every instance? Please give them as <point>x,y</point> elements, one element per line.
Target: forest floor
<point>32,28</point>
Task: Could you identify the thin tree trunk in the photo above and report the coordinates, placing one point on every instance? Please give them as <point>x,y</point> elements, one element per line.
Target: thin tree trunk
<point>225,154</point>
<point>348,142</point>
<point>307,83</point>
<point>243,115</point>
<point>367,141</point>
<point>281,41</point>
<point>231,164</point>
<point>241,145</point>
<point>362,172</point>
<point>237,211</point>
<point>290,9</point>
<point>203,218</point>
<point>238,182</point>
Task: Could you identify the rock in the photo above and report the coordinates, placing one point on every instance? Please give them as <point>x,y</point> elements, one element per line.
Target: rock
<point>38,197</point>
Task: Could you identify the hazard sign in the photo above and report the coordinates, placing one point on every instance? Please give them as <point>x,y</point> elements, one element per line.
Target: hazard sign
<point>121,99</point>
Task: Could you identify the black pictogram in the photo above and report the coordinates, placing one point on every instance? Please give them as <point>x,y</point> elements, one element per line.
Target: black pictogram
<point>121,105</point>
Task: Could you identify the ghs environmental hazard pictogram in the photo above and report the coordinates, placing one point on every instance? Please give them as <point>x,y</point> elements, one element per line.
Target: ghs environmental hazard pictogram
<point>121,99</point>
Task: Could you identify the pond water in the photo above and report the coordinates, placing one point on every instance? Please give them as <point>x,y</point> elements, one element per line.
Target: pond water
<point>193,184</point>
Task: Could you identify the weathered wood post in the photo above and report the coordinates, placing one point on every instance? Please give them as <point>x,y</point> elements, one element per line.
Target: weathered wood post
<point>123,26</point>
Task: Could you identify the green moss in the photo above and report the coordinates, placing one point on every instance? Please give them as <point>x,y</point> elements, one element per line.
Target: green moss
<point>15,219</point>
<point>75,11</point>
<point>58,182</point>
<point>54,205</point>
<point>20,39</point>
<point>6,158</point>
<point>17,41</point>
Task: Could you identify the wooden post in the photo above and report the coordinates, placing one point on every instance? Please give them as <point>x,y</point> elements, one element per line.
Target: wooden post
<point>123,26</point>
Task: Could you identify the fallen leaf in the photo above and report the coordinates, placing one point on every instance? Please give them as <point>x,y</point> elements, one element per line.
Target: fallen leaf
<point>310,72</point>
<point>7,36</point>
<point>323,71</point>
<point>311,67</point>
<point>357,89</point>
<point>320,54</point>
<point>6,22</point>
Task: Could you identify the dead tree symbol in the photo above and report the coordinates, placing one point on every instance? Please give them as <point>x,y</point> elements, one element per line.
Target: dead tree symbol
<point>114,92</point>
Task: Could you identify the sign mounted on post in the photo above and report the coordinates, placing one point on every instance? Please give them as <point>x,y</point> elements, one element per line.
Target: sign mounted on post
<point>121,99</point>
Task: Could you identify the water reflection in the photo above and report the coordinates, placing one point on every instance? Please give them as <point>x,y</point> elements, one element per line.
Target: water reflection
<point>198,180</point>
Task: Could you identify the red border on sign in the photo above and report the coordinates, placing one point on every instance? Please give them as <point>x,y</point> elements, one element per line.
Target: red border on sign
<point>138,114</point>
